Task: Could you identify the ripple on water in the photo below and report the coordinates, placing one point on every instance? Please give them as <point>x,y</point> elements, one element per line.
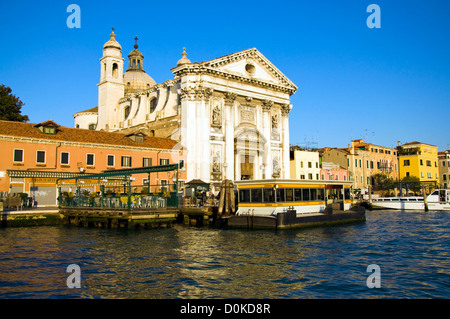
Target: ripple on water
<point>331,262</point>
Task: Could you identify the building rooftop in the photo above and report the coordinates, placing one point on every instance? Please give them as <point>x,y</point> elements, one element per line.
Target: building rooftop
<point>69,134</point>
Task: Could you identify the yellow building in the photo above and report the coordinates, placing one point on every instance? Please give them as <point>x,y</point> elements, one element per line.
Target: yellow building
<point>419,160</point>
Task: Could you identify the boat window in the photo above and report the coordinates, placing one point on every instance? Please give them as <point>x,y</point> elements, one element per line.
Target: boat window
<point>256,195</point>
<point>313,193</point>
<point>269,195</point>
<point>435,193</point>
<point>321,194</point>
<point>244,195</point>
<point>289,194</point>
<point>305,192</point>
<point>280,195</point>
<point>297,194</point>
<point>347,193</point>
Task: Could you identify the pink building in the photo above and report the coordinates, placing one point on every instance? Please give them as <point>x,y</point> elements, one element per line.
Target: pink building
<point>332,171</point>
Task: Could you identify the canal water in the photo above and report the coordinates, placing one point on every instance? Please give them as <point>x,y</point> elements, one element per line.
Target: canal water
<point>411,250</point>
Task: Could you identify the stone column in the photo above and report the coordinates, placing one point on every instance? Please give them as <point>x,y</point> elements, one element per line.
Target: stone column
<point>267,120</point>
<point>285,108</point>
<point>229,156</point>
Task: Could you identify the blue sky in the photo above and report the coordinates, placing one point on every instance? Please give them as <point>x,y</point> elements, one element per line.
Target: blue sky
<point>384,85</point>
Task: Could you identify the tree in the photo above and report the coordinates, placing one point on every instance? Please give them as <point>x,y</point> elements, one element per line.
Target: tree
<point>10,106</point>
<point>412,182</point>
<point>383,181</point>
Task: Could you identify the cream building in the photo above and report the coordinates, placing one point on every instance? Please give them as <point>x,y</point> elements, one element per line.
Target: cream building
<point>231,114</point>
<point>305,164</point>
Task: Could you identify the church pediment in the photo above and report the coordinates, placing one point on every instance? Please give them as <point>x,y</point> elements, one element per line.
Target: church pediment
<point>250,64</point>
<point>247,66</point>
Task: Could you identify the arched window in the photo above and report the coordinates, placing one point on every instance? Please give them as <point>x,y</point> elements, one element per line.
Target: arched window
<point>126,112</point>
<point>115,70</point>
<point>153,105</point>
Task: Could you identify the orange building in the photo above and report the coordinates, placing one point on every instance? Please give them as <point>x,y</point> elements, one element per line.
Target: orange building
<point>34,156</point>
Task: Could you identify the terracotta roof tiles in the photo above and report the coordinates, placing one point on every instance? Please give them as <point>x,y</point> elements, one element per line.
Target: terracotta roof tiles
<point>69,134</point>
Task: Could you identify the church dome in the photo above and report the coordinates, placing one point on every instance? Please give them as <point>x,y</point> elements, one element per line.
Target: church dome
<point>135,78</point>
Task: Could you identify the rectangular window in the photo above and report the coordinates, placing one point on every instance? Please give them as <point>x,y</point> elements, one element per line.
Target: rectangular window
<point>181,164</point>
<point>90,159</point>
<point>429,163</point>
<point>309,165</point>
<point>305,192</point>
<point>164,185</point>
<point>269,196</point>
<point>126,161</point>
<point>64,158</point>
<point>356,162</point>
<point>18,156</point>
<point>280,195</point>
<point>289,194</point>
<point>421,162</point>
<point>320,194</point>
<point>313,193</point>
<point>429,175</point>
<point>360,163</point>
<point>164,161</point>
<point>256,195</point>
<point>371,164</point>
<point>444,177</point>
<point>406,162</point>
<point>297,194</point>
<point>244,195</point>
<point>310,176</point>
<point>40,157</point>
<point>146,162</point>
<point>110,160</point>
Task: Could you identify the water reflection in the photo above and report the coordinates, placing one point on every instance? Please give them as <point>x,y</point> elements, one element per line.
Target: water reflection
<point>411,249</point>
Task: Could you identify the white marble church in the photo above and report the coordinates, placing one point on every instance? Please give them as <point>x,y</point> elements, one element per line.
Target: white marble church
<point>231,114</point>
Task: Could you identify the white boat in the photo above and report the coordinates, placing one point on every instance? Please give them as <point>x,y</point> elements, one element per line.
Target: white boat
<point>439,199</point>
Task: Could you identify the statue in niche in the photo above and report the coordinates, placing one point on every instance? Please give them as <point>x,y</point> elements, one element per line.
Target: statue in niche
<point>275,126</point>
<point>216,116</point>
<point>275,121</point>
<point>276,167</point>
<point>216,170</point>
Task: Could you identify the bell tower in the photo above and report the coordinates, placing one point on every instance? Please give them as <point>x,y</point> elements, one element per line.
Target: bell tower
<point>110,87</point>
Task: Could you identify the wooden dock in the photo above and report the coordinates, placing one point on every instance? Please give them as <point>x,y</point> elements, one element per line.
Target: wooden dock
<point>290,220</point>
<point>136,218</point>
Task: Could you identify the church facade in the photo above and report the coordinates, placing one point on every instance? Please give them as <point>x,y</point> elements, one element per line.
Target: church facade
<point>231,114</point>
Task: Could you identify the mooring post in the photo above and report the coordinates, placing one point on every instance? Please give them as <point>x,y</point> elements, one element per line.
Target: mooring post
<point>425,204</point>
<point>129,192</point>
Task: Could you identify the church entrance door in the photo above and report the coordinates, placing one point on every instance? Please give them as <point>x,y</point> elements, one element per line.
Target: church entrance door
<point>247,162</point>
